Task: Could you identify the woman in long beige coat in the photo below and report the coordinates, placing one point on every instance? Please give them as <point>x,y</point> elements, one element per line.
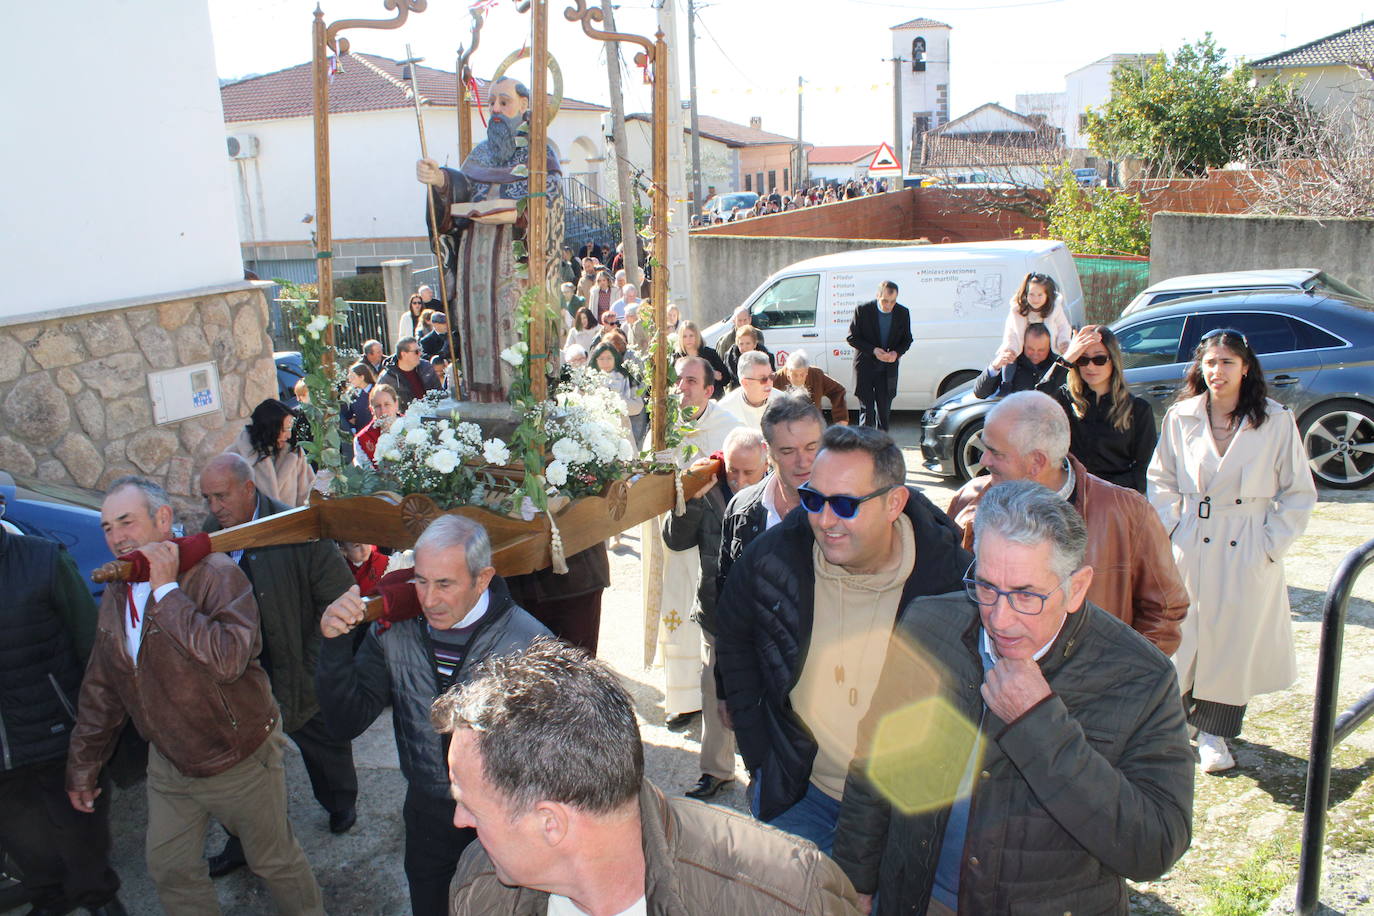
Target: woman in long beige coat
<point>1230,481</point>
<point>280,470</point>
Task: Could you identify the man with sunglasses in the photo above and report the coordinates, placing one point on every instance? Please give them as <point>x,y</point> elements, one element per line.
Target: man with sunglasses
<point>1058,764</point>
<point>1026,437</point>
<point>410,374</point>
<point>805,617</point>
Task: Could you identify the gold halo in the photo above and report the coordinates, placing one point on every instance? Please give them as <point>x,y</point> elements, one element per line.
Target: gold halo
<point>554,71</point>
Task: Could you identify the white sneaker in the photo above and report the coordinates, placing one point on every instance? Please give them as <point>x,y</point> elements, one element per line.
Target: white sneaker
<point>1213,754</point>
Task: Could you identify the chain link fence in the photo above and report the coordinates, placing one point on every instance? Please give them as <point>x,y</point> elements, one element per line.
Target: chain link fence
<point>1109,283</point>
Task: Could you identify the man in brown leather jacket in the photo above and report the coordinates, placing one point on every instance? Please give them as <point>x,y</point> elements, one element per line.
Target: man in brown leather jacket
<point>178,655</point>
<point>1026,437</point>
<point>546,763</point>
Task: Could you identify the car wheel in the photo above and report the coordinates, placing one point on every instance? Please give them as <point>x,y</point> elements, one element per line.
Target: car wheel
<point>968,451</point>
<point>1339,438</point>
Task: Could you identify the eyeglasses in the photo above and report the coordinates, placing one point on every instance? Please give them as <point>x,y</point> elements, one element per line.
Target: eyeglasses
<point>845,507</point>
<point>1100,359</point>
<point>1216,333</point>
<point>1021,601</point>
<point>765,380</point>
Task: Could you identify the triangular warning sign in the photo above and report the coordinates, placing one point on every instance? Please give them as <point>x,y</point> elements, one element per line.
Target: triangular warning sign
<point>884,160</point>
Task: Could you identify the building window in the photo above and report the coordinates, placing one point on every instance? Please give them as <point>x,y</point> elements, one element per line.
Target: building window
<point>1083,123</point>
<point>772,180</point>
<point>918,55</point>
<point>748,182</point>
<point>786,183</point>
<point>758,183</point>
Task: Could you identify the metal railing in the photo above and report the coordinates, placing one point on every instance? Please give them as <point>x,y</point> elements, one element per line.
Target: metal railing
<point>585,216</point>
<point>1327,729</point>
<point>366,321</point>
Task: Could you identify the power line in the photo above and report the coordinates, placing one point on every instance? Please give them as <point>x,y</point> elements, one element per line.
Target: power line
<point>711,35</point>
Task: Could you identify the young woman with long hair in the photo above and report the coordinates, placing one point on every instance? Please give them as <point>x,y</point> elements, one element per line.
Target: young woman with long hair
<point>1231,483</point>
<point>1113,431</point>
<point>689,343</point>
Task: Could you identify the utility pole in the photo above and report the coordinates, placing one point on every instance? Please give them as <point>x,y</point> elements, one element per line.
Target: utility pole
<point>799,171</point>
<point>897,111</point>
<point>628,236</point>
<point>696,132</point>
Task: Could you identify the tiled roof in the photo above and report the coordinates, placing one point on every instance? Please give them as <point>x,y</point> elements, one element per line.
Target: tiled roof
<point>839,155</point>
<point>727,132</point>
<point>365,82</point>
<point>1354,44</point>
<point>920,24</point>
<point>1032,123</point>
<point>938,150</point>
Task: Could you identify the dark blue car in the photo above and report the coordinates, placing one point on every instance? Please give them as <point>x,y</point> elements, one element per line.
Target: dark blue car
<point>64,514</point>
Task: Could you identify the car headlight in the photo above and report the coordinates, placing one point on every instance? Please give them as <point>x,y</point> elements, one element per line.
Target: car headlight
<point>933,416</point>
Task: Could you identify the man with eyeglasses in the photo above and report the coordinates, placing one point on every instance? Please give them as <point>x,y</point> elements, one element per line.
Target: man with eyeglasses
<point>1024,748</point>
<point>444,617</point>
<point>755,391</point>
<point>411,374</point>
<point>805,617</point>
<point>1026,437</point>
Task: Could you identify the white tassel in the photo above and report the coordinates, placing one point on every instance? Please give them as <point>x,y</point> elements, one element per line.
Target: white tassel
<point>681,506</point>
<point>560,563</point>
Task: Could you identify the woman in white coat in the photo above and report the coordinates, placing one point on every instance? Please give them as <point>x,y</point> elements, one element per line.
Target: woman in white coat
<point>1230,481</point>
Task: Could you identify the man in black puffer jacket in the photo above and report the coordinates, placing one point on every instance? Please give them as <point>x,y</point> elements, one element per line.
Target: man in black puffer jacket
<point>1052,759</point>
<point>806,616</point>
<point>48,619</point>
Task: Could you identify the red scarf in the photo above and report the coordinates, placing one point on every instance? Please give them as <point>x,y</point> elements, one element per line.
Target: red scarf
<point>193,549</point>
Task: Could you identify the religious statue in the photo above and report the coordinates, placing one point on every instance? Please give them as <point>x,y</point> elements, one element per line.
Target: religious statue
<point>477,211</point>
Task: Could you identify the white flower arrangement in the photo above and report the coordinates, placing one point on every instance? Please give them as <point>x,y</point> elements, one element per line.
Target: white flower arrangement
<point>588,440</point>
<point>441,458</point>
<point>515,354</point>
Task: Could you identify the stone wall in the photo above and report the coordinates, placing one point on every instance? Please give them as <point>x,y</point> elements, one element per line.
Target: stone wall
<point>74,401</point>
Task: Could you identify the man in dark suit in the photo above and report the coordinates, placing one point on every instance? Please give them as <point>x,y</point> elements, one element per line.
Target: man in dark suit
<point>292,584</point>
<point>879,333</point>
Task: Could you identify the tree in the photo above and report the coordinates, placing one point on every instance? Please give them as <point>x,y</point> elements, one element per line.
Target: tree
<point>1095,220</point>
<point>1182,115</point>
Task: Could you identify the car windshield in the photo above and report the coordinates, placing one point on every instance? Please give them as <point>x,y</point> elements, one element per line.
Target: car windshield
<point>1323,280</point>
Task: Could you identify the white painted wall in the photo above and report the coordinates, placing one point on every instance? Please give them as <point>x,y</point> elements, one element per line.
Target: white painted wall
<point>719,163</point>
<point>372,155</point>
<point>838,171</point>
<point>987,121</point>
<point>136,202</point>
<point>1085,88</point>
<point>1052,106</point>
<point>1331,89</point>
<point>919,89</point>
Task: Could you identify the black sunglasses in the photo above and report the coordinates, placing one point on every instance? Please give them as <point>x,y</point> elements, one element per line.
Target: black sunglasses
<point>845,507</point>
<point>1100,359</point>
<point>1224,332</point>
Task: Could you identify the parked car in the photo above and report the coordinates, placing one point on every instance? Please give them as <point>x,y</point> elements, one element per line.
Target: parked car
<point>958,295</point>
<point>1318,354</point>
<point>1303,278</point>
<point>722,205</point>
<point>68,515</point>
<point>290,369</point>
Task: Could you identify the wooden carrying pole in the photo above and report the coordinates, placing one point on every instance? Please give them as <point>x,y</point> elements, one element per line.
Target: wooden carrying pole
<point>324,241</point>
<point>658,255</point>
<point>537,205</point>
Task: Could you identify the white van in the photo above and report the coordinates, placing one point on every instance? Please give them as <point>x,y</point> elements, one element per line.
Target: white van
<point>957,294</point>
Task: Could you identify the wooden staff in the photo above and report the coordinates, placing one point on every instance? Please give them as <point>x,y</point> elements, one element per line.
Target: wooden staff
<point>537,211</point>
<point>411,70</point>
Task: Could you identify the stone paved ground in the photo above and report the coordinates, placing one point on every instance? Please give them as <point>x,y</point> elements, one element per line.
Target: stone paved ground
<point>1246,822</point>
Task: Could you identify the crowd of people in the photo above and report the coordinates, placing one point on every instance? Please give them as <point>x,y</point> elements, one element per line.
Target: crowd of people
<point>983,709</point>
<point>828,192</point>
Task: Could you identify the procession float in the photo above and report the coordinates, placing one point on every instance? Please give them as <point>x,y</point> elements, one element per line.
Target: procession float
<point>540,457</point>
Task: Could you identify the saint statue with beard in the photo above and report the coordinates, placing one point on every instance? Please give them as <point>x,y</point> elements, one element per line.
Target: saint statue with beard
<point>478,222</point>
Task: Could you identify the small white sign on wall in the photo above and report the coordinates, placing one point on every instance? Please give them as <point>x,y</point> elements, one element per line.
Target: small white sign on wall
<point>188,391</point>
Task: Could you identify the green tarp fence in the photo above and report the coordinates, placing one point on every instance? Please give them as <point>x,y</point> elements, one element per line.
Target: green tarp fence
<point>1110,282</point>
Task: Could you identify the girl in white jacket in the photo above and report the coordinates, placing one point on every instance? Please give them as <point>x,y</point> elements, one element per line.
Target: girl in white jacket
<point>1038,300</point>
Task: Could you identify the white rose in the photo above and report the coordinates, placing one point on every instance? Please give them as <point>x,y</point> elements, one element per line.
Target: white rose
<point>627,451</point>
<point>385,443</point>
<point>442,460</point>
<point>393,455</point>
<point>556,473</point>
<point>565,450</point>
<point>417,436</point>
<point>513,356</point>
<point>318,323</point>
<point>496,452</point>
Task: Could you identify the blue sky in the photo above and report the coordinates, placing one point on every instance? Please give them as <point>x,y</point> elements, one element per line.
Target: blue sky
<point>750,52</point>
